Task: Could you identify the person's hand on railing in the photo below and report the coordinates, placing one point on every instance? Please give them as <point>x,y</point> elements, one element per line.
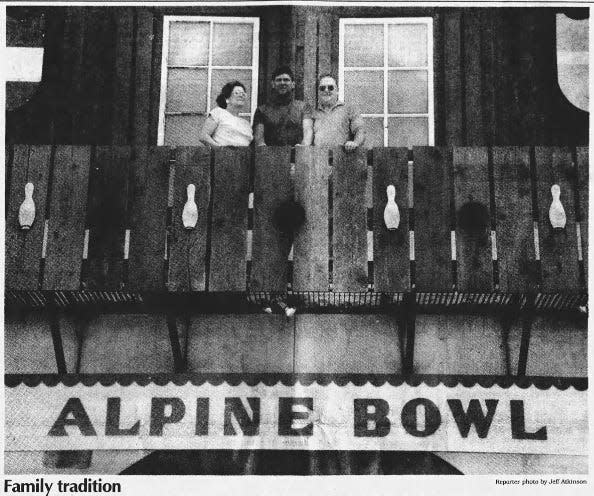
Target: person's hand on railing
<point>350,146</point>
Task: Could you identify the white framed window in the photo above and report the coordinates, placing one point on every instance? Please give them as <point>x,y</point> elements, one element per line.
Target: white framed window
<point>200,55</point>
<point>385,69</point>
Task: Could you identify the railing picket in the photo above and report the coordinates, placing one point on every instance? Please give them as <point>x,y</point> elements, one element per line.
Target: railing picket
<point>432,201</point>
<point>187,263</point>
<point>311,242</point>
<point>106,214</point>
<point>583,190</point>
<point>23,248</point>
<point>349,220</point>
<point>558,247</point>
<point>391,261</point>
<point>229,219</point>
<point>147,216</point>
<point>272,186</point>
<point>473,226</point>
<point>514,226</point>
<point>68,205</point>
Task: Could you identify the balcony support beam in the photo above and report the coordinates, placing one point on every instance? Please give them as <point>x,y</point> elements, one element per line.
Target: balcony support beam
<point>527,318</point>
<point>410,315</point>
<point>507,319</point>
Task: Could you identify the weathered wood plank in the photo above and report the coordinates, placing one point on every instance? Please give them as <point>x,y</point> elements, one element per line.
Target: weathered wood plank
<point>310,249</point>
<point>391,251</point>
<point>229,219</point>
<point>513,217</point>
<point>94,117</point>
<point>433,195</point>
<point>324,43</point>
<point>349,240</point>
<point>310,75</point>
<point>106,216</point>
<point>148,209</point>
<point>473,226</point>
<point>453,79</point>
<point>155,90</point>
<point>23,248</point>
<point>70,70</point>
<point>123,18</point>
<point>187,262</point>
<point>490,75</point>
<point>583,191</point>
<point>272,186</point>
<point>142,82</point>
<point>472,77</point>
<point>67,218</point>
<point>558,247</point>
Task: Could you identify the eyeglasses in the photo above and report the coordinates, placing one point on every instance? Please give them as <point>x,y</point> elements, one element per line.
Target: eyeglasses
<point>329,87</point>
<point>282,80</point>
<point>238,93</point>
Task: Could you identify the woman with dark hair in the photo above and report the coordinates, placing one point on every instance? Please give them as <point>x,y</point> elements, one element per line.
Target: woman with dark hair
<point>224,126</point>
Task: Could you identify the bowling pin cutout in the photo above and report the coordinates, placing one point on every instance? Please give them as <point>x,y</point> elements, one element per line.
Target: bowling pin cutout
<point>557,212</point>
<point>391,212</point>
<point>190,212</point>
<point>27,208</point>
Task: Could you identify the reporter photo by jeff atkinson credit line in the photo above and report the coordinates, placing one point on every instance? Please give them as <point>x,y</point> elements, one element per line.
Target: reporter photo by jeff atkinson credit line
<point>296,239</point>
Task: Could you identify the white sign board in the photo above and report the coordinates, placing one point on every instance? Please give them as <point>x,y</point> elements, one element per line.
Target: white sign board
<point>310,417</point>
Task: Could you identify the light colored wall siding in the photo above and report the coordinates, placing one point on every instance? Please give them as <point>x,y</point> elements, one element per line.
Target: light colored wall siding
<point>240,343</point>
<point>458,344</point>
<point>126,344</point>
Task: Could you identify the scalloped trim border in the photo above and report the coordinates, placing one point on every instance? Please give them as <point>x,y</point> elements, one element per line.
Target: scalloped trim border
<point>433,380</point>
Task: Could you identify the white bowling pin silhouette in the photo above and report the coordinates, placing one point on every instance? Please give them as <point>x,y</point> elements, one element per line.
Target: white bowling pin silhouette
<point>391,212</point>
<point>557,212</point>
<point>190,212</point>
<point>27,209</point>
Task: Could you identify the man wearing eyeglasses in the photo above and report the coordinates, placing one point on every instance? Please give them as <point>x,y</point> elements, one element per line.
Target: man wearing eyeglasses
<point>280,121</point>
<point>334,123</point>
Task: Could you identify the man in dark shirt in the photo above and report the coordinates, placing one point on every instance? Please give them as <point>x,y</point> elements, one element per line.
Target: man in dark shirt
<point>280,121</point>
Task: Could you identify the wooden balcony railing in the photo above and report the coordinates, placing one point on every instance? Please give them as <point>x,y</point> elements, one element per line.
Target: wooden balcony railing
<point>474,221</point>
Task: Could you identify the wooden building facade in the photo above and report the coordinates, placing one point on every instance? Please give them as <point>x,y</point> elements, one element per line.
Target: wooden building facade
<point>495,72</point>
<point>93,299</point>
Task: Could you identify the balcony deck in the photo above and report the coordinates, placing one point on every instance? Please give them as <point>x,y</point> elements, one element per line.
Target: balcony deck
<point>474,227</point>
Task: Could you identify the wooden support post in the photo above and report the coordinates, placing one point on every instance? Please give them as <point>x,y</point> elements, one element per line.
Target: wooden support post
<point>54,321</point>
<point>527,317</point>
<point>410,316</point>
<point>179,363</point>
<point>507,318</point>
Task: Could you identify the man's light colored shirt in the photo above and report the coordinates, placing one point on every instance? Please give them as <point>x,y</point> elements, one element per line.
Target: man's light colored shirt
<point>336,126</point>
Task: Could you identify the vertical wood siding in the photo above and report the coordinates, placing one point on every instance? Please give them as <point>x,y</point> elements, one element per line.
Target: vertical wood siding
<point>495,72</point>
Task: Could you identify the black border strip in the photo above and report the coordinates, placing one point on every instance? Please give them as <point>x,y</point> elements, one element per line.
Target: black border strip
<point>270,379</point>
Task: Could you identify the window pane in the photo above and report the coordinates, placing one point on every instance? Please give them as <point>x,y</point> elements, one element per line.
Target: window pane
<point>365,90</point>
<point>186,90</point>
<point>407,131</point>
<point>374,129</point>
<point>232,44</point>
<point>407,45</point>
<point>407,92</point>
<point>363,45</point>
<point>220,77</point>
<point>183,129</point>
<point>188,43</point>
